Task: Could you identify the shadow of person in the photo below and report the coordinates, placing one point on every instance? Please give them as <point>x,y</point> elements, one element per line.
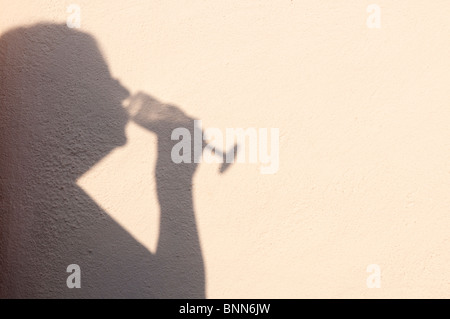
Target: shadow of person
<point>61,113</point>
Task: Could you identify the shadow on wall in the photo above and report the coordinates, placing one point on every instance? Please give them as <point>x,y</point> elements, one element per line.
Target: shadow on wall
<point>60,114</point>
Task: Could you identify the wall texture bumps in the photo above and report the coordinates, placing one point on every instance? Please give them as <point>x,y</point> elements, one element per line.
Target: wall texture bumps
<point>364,173</point>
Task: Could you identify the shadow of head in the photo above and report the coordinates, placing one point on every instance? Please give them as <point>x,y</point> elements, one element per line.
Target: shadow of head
<point>58,97</point>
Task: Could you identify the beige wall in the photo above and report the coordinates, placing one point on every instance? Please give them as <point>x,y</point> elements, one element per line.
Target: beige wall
<point>364,173</point>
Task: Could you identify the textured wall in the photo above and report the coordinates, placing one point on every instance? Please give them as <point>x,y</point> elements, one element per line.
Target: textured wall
<point>364,174</point>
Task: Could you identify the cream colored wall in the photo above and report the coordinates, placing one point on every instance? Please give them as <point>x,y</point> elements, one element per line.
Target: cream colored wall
<point>363,114</point>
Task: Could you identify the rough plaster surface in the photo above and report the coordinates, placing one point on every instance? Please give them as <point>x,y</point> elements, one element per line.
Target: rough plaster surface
<point>364,172</point>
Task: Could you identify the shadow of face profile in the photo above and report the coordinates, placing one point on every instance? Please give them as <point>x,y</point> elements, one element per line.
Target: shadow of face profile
<point>56,82</point>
